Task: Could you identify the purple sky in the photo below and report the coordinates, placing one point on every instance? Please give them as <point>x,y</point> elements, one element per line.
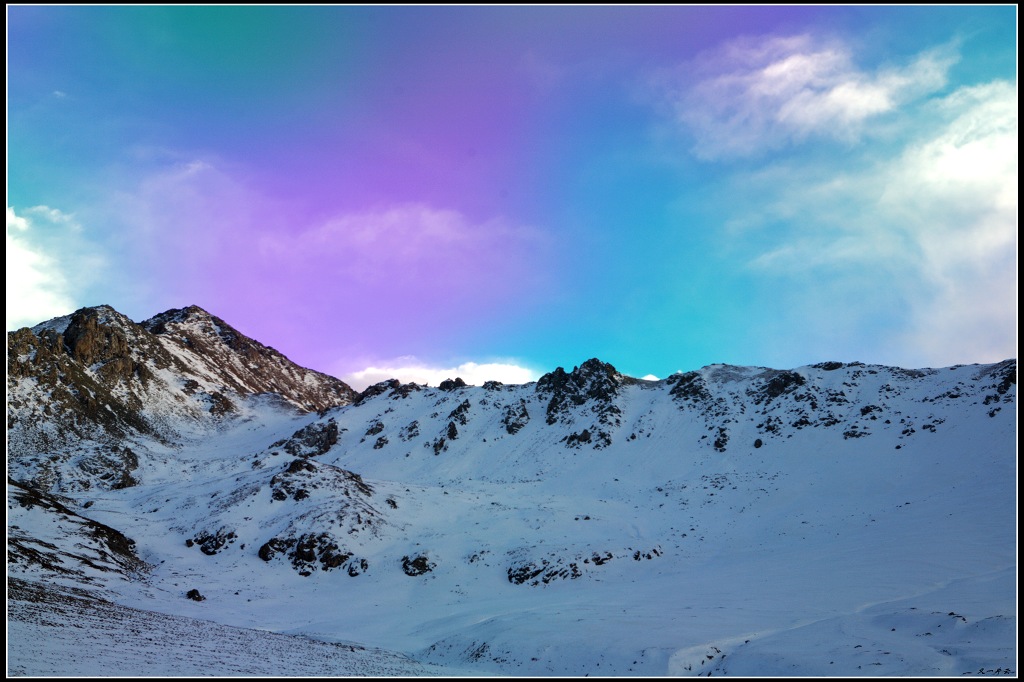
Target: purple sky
<point>496,191</point>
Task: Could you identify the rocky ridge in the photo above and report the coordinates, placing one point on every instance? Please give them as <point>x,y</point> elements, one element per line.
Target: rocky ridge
<point>95,387</point>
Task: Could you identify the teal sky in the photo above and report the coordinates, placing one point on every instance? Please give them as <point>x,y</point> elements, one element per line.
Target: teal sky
<point>496,191</point>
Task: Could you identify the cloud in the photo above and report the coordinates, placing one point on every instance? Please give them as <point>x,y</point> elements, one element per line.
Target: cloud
<point>201,230</point>
<point>957,194</point>
<point>15,222</point>
<point>430,248</point>
<point>756,95</point>
<point>316,281</point>
<point>408,369</point>
<point>55,216</point>
<point>926,235</point>
<point>37,289</point>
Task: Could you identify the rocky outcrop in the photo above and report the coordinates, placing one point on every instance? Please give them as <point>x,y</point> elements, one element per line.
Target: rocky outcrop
<point>113,466</point>
<point>774,383</point>
<point>544,570</point>
<point>515,417</point>
<point>312,440</point>
<point>83,377</point>
<point>83,548</point>
<point>417,565</point>
<point>210,543</point>
<point>81,387</point>
<point>452,384</point>
<point>302,476</point>
<point>310,552</point>
<point>594,386</point>
<point>377,389</point>
<point>592,381</point>
<point>393,387</point>
<point>243,365</point>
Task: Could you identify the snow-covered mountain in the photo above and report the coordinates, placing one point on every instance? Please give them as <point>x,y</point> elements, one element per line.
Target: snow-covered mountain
<point>95,377</point>
<point>195,496</point>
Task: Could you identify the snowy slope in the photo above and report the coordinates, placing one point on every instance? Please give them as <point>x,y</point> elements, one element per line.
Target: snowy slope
<point>82,635</point>
<point>836,519</point>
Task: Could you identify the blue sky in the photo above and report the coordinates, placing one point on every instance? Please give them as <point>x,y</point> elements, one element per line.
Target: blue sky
<point>496,191</point>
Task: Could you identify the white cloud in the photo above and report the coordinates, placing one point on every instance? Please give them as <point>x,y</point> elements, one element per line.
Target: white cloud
<point>958,195</point>
<point>408,369</point>
<point>408,243</point>
<point>15,222</point>
<point>930,229</point>
<point>757,95</point>
<point>37,289</point>
<point>53,215</point>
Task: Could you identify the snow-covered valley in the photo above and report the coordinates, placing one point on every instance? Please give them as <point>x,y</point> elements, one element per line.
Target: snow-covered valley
<point>833,519</point>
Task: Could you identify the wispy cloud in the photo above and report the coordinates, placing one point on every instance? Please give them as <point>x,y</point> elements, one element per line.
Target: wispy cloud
<point>930,228</point>
<point>958,195</point>
<point>430,249</point>
<point>200,219</point>
<point>37,288</point>
<point>762,94</point>
<point>197,229</point>
<point>408,369</point>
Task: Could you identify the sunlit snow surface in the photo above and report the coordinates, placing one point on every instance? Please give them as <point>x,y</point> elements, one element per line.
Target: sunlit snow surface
<point>813,554</point>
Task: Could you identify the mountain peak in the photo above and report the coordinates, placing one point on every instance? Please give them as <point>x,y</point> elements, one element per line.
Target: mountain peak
<point>243,364</point>
<point>191,318</point>
<point>108,379</point>
<point>594,382</point>
<point>181,314</point>
<point>591,378</point>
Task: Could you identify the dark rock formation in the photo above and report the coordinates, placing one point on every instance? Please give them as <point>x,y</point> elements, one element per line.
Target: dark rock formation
<point>409,431</point>
<point>593,385</point>
<point>377,389</point>
<point>452,384</point>
<point>304,475</point>
<point>592,381</point>
<point>211,543</point>
<point>830,366</point>
<point>311,552</point>
<point>417,565</point>
<point>459,414</point>
<point>515,417</point>
<point>311,440</point>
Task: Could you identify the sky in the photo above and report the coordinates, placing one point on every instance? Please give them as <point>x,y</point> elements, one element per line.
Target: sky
<point>492,192</point>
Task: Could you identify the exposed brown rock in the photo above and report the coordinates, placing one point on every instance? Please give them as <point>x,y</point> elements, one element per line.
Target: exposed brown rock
<point>98,378</point>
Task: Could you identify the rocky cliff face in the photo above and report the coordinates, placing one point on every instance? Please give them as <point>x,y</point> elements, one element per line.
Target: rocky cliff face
<point>222,355</point>
<point>95,387</point>
<point>590,391</point>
